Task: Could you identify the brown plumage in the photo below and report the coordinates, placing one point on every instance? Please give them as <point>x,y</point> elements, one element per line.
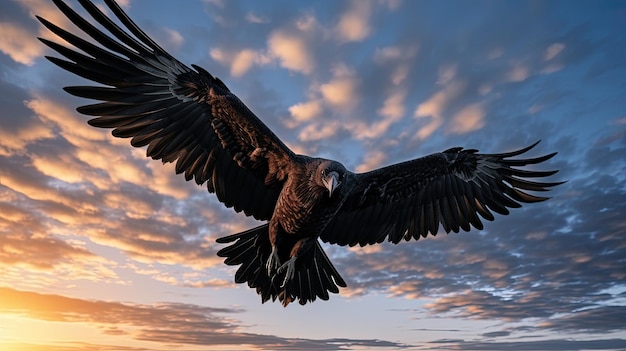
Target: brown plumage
<point>187,116</point>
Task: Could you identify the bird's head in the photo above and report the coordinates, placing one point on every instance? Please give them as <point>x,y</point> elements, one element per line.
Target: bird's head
<point>330,175</point>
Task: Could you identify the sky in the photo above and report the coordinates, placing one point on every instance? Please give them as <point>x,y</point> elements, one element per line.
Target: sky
<point>102,248</point>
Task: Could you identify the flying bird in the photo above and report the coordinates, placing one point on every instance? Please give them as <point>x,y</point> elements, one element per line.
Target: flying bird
<point>186,115</point>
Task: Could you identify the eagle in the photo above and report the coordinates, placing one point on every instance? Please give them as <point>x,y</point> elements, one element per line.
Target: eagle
<point>186,115</point>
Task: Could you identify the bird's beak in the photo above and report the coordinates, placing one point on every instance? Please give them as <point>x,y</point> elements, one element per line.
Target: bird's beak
<point>332,182</point>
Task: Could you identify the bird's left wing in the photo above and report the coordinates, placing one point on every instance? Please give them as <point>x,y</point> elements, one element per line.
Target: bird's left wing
<point>411,199</point>
<point>183,115</point>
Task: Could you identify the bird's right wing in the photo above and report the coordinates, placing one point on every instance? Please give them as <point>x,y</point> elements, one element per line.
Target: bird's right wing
<point>183,115</point>
<point>409,200</point>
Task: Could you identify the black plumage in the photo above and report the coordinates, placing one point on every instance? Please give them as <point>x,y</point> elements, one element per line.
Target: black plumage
<point>185,115</point>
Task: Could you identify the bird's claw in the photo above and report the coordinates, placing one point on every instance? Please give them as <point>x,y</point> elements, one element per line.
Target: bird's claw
<point>290,269</point>
<point>273,262</point>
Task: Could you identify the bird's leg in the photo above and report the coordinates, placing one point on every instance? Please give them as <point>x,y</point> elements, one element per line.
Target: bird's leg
<point>289,267</point>
<point>273,261</point>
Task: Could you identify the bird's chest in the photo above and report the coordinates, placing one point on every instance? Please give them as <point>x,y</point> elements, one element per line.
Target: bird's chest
<point>304,212</point>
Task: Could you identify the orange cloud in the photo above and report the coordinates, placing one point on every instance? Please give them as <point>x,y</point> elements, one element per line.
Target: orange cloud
<point>433,108</point>
<point>341,91</point>
<point>15,141</point>
<point>304,112</point>
<point>318,131</point>
<point>241,61</point>
<point>72,128</point>
<point>61,167</point>
<point>33,259</point>
<point>128,323</point>
<point>373,159</point>
<point>38,251</point>
<point>292,51</point>
<point>353,25</point>
<point>19,44</point>
<point>468,119</point>
<point>28,182</point>
<point>143,326</point>
<point>392,111</point>
<point>409,289</point>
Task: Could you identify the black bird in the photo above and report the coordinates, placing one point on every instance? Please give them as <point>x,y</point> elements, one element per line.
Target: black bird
<point>187,116</point>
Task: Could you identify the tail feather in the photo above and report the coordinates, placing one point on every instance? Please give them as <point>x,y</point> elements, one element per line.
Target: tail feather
<point>315,275</point>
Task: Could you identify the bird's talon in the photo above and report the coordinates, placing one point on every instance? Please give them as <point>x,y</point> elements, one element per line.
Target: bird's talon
<point>290,269</point>
<point>273,262</point>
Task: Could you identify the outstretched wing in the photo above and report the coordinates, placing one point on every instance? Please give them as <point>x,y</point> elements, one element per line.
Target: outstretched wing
<point>181,114</point>
<point>411,199</point>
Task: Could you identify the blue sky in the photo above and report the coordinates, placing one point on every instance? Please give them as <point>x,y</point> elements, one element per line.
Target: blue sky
<point>103,248</point>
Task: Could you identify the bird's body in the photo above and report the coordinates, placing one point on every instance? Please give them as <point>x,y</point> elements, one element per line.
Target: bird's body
<point>187,116</point>
<point>305,206</point>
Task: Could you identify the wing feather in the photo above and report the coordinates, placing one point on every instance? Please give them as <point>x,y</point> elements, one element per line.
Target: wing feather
<point>158,102</point>
<point>449,190</point>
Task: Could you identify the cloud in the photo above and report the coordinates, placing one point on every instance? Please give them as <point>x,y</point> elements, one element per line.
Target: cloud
<point>468,119</point>
<point>35,259</point>
<point>256,18</point>
<point>19,43</point>
<point>56,115</point>
<point>319,130</point>
<point>174,39</point>
<point>401,58</point>
<point>114,161</point>
<point>292,51</point>
<point>71,195</point>
<point>341,91</point>
<point>47,10</point>
<point>61,167</point>
<point>434,107</point>
<point>304,112</point>
<point>396,53</point>
<point>549,344</point>
<point>27,181</point>
<point>393,107</point>
<point>240,62</point>
<point>164,323</point>
<point>37,251</point>
<point>165,181</point>
<point>373,159</point>
<point>353,25</point>
<point>386,93</point>
<point>20,127</point>
<point>553,50</point>
<point>518,73</point>
<point>392,111</point>
<point>447,73</point>
<point>162,237</point>
<point>244,60</point>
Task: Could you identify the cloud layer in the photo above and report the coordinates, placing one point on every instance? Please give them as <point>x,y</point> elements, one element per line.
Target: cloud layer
<point>92,232</point>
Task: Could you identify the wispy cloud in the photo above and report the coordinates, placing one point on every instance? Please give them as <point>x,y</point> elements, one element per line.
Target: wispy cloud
<point>434,107</point>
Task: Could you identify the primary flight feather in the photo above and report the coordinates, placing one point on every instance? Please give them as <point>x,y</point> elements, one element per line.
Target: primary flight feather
<point>187,116</point>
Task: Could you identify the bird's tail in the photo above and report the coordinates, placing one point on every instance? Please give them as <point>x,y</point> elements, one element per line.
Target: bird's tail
<point>314,277</point>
